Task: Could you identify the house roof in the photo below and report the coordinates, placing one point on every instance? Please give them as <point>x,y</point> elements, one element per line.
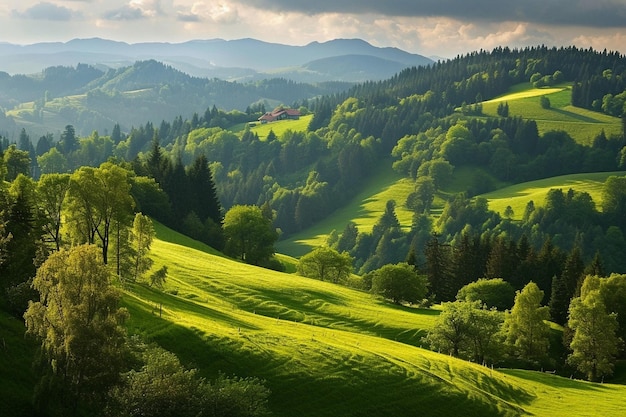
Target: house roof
<point>276,113</point>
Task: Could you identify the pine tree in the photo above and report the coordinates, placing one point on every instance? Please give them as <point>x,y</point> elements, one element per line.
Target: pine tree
<point>438,270</point>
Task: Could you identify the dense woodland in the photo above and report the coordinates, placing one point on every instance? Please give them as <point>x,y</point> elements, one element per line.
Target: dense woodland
<point>239,193</point>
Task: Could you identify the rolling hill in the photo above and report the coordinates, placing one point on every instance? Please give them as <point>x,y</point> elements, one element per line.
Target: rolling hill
<point>326,350</point>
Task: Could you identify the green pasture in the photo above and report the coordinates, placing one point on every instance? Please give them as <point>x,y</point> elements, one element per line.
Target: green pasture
<point>518,195</point>
<point>581,124</point>
<point>279,127</point>
<point>364,210</point>
<point>325,350</point>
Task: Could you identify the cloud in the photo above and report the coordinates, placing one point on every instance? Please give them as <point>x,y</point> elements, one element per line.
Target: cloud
<point>135,10</point>
<point>47,11</point>
<point>588,13</point>
<point>221,12</point>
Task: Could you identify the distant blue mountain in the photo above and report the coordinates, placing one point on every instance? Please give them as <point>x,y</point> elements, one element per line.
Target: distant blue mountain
<point>231,60</point>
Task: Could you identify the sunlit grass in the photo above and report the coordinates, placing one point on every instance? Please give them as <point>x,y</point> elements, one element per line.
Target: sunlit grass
<point>581,124</point>
<point>326,350</point>
<point>517,196</point>
<point>279,127</point>
<point>364,210</point>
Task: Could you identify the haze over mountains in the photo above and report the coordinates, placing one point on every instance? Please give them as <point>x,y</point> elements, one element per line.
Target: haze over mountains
<point>351,60</point>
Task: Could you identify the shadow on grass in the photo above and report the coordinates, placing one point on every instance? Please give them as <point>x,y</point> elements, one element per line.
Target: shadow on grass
<point>154,300</point>
<point>579,117</point>
<point>554,381</point>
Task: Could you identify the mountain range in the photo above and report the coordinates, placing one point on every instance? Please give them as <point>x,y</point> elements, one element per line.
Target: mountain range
<point>233,60</point>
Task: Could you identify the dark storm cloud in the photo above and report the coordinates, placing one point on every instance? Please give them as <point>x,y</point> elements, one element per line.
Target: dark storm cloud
<point>590,13</point>
<point>46,11</point>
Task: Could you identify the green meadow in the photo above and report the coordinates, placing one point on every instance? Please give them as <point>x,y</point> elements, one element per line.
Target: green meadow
<point>581,124</point>
<point>517,196</point>
<point>279,127</point>
<point>326,350</point>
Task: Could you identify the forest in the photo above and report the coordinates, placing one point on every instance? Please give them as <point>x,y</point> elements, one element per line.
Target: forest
<point>212,178</point>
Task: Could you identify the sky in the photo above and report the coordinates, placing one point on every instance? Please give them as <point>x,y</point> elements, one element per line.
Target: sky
<point>441,28</point>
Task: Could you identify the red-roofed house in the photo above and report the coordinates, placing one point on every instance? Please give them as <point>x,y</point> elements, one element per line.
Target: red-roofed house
<point>280,113</point>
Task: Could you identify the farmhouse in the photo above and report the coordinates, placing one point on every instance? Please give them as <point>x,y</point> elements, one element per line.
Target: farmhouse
<point>280,113</point>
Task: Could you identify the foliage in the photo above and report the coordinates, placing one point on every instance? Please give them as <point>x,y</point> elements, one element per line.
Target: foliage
<point>399,283</point>
<point>163,387</point>
<point>78,323</point>
<point>99,199</point>
<point>326,264</point>
<point>249,234</point>
<point>494,293</point>
<point>525,326</point>
<point>467,329</point>
<point>594,344</point>
<point>141,239</point>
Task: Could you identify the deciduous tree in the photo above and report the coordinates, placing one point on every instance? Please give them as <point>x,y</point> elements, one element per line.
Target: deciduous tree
<point>250,236</point>
<point>79,324</point>
<point>399,283</point>
<point>326,264</point>
<point>594,344</point>
<point>525,326</point>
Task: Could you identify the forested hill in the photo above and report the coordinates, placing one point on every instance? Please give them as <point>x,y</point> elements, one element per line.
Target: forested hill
<point>91,99</point>
<point>429,122</point>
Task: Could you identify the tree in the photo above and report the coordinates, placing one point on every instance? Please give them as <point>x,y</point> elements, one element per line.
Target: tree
<point>249,235</point>
<point>614,200</point>
<point>51,192</point>
<point>79,324</point>
<point>525,326</point>
<point>399,283</point>
<point>544,102</point>
<point>142,236</point>
<point>495,293</point>
<point>16,162</point>
<point>468,330</point>
<point>594,344</point>
<point>99,200</point>
<point>564,286</point>
<point>326,264</point>
<point>52,162</point>
<point>348,237</point>
<point>438,271</point>
<point>69,141</point>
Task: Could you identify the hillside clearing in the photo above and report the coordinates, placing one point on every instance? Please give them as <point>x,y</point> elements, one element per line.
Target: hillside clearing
<point>581,124</point>
<point>517,196</point>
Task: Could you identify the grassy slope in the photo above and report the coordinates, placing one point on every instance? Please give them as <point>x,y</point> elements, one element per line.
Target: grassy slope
<point>279,127</point>
<point>518,195</point>
<point>581,124</point>
<point>364,210</point>
<point>326,350</point>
